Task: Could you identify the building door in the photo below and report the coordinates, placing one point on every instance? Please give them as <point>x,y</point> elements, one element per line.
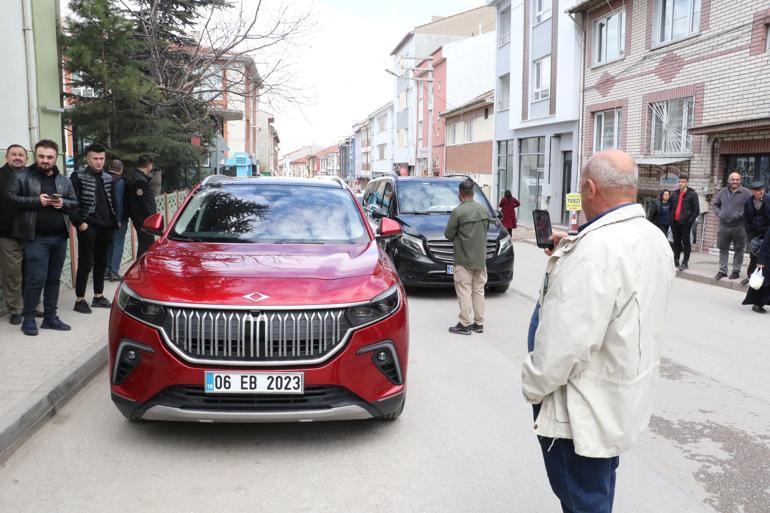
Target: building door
<point>504,167</point>
<point>566,184</point>
<point>531,175</point>
<point>753,168</point>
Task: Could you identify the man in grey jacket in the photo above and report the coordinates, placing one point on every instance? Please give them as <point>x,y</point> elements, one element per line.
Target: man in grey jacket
<point>729,208</point>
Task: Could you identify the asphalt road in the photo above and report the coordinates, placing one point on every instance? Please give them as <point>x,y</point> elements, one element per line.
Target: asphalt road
<point>463,444</point>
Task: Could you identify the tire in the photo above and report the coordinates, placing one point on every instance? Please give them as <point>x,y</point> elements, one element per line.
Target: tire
<point>395,414</point>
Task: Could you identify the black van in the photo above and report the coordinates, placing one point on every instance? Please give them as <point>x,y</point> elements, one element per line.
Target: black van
<point>422,205</point>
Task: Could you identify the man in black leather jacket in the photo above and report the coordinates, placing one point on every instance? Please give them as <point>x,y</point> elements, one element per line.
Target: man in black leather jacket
<point>685,209</point>
<point>44,199</point>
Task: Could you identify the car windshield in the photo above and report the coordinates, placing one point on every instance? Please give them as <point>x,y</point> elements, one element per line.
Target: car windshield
<point>270,213</point>
<point>432,196</point>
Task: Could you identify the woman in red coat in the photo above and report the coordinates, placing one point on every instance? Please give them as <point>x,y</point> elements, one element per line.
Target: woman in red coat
<point>508,206</point>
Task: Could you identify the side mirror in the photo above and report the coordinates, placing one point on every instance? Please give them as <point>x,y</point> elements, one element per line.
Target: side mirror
<point>389,227</point>
<point>153,225</point>
<point>379,213</point>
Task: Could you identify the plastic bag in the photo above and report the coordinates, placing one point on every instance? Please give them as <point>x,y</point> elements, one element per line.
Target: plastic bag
<point>757,279</point>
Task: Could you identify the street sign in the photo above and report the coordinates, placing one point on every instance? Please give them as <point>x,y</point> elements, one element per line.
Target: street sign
<point>573,202</point>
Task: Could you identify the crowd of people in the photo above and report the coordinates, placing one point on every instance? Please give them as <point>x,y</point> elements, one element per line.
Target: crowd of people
<point>38,207</point>
<point>744,225</point>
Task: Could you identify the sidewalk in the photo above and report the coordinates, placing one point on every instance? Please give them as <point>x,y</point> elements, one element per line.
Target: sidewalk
<point>703,266</point>
<point>39,374</point>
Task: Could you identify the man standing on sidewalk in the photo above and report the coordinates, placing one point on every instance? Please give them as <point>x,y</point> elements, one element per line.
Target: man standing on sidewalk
<point>115,253</point>
<point>685,209</point>
<point>595,336</point>
<point>756,219</point>
<point>140,201</point>
<point>11,249</point>
<point>729,208</point>
<point>467,228</point>
<point>43,198</point>
<point>95,221</point>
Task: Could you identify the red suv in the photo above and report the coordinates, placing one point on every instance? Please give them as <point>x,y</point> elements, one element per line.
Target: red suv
<point>265,300</point>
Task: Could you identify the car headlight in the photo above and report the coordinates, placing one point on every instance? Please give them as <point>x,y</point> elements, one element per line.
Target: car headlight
<point>506,243</point>
<point>414,243</point>
<point>135,306</point>
<point>378,308</point>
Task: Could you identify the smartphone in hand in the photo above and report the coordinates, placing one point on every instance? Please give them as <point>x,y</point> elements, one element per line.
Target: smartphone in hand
<point>55,196</point>
<point>543,231</point>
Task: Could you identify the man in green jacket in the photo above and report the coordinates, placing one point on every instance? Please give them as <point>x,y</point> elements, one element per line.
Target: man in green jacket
<point>467,228</point>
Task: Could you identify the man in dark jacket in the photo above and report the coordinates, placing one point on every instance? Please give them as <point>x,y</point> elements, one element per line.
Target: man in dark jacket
<point>756,220</point>
<point>729,208</point>
<point>684,212</point>
<point>115,253</point>
<point>43,198</point>
<point>96,222</point>
<point>11,249</point>
<point>140,201</point>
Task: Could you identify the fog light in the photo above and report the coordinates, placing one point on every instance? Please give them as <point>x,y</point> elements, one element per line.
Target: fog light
<point>382,356</point>
<point>131,355</point>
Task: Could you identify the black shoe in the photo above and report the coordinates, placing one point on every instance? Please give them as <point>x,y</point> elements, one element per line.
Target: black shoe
<point>115,277</point>
<point>101,302</point>
<point>82,307</point>
<point>735,275</point>
<point>676,264</point>
<point>758,309</point>
<point>15,319</point>
<point>720,275</point>
<point>459,329</point>
<point>29,327</point>
<point>478,328</point>
<point>684,266</point>
<point>39,314</point>
<point>54,323</point>
<point>745,281</point>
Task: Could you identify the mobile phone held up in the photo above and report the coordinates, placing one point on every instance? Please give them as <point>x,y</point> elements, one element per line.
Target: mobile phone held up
<point>542,220</point>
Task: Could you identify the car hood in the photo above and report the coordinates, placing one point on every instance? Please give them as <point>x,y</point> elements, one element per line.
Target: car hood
<point>260,274</point>
<point>432,226</point>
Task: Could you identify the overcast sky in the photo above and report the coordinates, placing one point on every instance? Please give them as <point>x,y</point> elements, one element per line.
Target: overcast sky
<point>342,66</point>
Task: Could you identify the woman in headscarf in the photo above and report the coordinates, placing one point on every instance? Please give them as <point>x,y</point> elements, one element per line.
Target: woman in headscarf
<point>761,297</point>
<point>508,205</point>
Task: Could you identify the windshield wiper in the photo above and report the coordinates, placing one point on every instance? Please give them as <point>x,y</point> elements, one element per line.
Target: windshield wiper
<point>184,238</point>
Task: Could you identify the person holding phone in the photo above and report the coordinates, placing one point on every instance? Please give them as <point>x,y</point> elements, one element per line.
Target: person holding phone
<point>594,341</point>
<point>43,198</point>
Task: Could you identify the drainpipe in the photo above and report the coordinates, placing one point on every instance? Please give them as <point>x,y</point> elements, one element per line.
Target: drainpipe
<point>29,54</point>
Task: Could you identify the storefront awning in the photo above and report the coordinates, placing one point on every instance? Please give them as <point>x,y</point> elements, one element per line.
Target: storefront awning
<point>659,161</point>
<point>737,125</point>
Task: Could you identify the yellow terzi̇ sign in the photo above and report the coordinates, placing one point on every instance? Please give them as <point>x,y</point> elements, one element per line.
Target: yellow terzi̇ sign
<point>574,202</point>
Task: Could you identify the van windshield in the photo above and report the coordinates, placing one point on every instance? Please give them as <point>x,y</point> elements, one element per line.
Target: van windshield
<point>433,196</point>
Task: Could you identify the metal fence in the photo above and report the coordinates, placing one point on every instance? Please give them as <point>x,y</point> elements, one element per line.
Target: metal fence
<point>167,204</point>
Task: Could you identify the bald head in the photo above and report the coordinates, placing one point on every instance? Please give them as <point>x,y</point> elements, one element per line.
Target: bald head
<point>609,178</point>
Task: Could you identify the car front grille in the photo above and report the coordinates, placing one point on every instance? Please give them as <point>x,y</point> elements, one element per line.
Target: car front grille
<point>250,337</point>
<point>443,250</point>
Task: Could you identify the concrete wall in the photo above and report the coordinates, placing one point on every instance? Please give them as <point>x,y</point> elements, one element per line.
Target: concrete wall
<point>470,68</point>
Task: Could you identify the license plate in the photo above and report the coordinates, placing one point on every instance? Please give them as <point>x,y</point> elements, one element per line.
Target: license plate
<point>450,269</point>
<point>254,382</point>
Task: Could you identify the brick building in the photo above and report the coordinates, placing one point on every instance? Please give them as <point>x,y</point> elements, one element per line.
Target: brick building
<point>677,85</point>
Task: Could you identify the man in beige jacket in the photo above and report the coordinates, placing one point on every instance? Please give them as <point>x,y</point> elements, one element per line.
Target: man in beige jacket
<point>595,336</point>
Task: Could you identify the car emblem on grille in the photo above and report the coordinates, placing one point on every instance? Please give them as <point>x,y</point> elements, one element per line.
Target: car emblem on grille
<point>256,297</point>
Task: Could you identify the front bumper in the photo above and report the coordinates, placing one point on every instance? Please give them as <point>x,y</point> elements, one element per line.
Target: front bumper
<point>422,271</point>
<point>349,386</point>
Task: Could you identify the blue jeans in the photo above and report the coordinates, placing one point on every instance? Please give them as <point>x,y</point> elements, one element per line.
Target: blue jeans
<point>43,263</point>
<point>583,485</point>
<point>115,253</point>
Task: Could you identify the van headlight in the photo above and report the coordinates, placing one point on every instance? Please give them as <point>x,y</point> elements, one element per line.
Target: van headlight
<point>130,302</point>
<point>506,243</point>
<point>414,243</point>
<point>378,308</point>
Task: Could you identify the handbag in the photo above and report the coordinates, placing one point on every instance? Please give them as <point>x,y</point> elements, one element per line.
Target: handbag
<point>757,279</point>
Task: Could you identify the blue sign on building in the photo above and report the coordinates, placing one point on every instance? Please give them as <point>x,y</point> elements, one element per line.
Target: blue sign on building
<point>242,164</point>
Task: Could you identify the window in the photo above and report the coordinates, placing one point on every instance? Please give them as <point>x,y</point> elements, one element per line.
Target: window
<point>381,151</point>
<point>541,79</point>
<point>468,129</point>
<point>767,38</point>
<point>531,174</point>
<point>541,11</point>
<point>670,121</point>
<point>505,28</point>
<point>451,134</point>
<point>382,123</point>
<point>402,137</point>
<point>607,129</point>
<point>609,37</point>
<point>676,19</point>
<point>504,93</point>
<point>79,89</point>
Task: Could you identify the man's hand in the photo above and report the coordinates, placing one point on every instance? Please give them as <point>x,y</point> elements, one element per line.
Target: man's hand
<point>57,203</point>
<point>556,237</point>
<point>83,227</point>
<point>45,200</point>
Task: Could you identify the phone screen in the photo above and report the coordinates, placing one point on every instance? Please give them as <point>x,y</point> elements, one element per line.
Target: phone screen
<point>543,231</point>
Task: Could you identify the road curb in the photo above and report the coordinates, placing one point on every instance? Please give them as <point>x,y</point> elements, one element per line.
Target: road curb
<point>26,418</point>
